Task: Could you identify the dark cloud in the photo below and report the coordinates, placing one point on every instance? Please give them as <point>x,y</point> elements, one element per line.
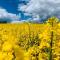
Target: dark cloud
<point>41,8</point>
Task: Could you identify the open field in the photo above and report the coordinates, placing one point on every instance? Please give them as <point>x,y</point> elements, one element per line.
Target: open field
<point>30,41</point>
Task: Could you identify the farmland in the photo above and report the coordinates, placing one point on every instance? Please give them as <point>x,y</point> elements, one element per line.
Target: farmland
<point>28,41</point>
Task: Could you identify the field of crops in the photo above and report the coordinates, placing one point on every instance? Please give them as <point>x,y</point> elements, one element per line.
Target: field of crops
<point>28,41</point>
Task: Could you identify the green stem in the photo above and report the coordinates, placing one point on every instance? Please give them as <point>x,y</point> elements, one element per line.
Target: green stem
<point>51,44</point>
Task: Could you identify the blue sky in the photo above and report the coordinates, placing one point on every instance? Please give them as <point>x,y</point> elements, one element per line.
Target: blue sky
<point>18,10</point>
<point>12,7</point>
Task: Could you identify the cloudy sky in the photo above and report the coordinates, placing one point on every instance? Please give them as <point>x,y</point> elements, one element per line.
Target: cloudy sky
<point>21,10</point>
<point>9,10</point>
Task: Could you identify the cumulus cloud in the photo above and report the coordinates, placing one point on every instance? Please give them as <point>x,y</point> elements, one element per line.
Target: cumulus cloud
<point>42,8</point>
<point>6,16</point>
<point>19,21</point>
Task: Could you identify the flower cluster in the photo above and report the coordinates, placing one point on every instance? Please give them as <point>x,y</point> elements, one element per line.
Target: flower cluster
<point>28,41</point>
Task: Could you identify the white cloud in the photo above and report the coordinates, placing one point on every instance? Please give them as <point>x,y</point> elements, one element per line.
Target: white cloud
<point>27,14</point>
<point>43,8</point>
<point>37,17</point>
<point>15,21</point>
<point>18,21</point>
<point>4,15</point>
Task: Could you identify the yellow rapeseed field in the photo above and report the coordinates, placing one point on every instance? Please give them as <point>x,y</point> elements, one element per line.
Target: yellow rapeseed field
<point>28,41</point>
